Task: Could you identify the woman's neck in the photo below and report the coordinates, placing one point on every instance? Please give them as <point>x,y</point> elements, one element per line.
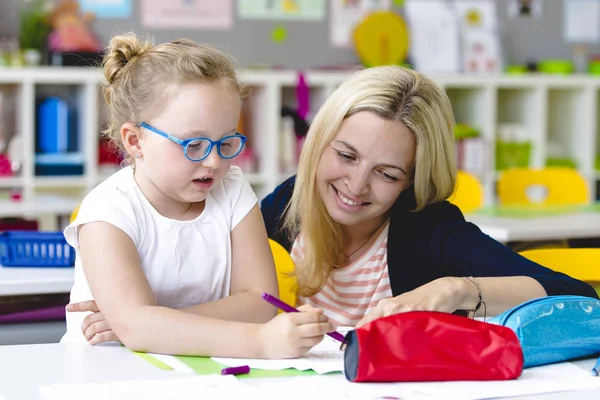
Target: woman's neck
<point>358,239</point>
<point>356,234</point>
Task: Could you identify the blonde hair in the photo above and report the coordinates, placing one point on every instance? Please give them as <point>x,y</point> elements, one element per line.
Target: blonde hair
<point>138,73</point>
<point>393,93</point>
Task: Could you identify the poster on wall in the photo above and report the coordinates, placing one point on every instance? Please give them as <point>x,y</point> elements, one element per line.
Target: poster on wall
<point>107,8</point>
<point>481,52</point>
<point>525,9</point>
<point>307,10</point>
<point>434,36</point>
<point>477,14</point>
<point>346,14</point>
<point>190,14</point>
<point>581,21</point>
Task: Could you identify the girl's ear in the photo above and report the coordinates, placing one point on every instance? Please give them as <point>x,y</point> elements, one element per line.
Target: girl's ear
<point>131,138</point>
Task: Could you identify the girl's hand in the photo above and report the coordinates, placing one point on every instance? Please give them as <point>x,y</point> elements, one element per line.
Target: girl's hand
<point>444,294</point>
<point>94,327</point>
<point>289,335</point>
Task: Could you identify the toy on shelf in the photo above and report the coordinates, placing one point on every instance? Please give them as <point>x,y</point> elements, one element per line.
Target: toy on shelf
<point>471,149</point>
<point>34,28</point>
<point>513,146</point>
<point>381,39</point>
<point>72,33</point>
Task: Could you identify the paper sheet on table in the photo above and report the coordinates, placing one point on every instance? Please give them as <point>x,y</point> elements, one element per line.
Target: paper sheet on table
<point>323,358</point>
<point>553,378</point>
<point>541,380</point>
<point>196,387</point>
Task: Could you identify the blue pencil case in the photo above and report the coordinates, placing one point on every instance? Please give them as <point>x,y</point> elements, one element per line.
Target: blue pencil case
<point>555,328</point>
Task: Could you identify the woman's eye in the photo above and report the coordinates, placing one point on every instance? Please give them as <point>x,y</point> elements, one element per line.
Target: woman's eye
<point>345,156</point>
<point>388,177</point>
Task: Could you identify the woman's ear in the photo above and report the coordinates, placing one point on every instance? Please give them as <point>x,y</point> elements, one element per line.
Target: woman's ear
<point>132,140</point>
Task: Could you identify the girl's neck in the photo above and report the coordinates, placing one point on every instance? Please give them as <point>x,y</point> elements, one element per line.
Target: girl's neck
<point>166,206</point>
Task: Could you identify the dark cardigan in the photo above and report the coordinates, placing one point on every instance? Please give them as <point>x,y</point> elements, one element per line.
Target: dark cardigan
<point>435,242</point>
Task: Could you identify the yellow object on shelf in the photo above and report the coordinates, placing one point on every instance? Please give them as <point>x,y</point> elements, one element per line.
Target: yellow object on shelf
<point>381,39</point>
<point>554,186</point>
<point>468,193</point>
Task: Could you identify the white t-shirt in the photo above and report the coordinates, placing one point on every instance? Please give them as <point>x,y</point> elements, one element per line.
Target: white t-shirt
<point>185,262</point>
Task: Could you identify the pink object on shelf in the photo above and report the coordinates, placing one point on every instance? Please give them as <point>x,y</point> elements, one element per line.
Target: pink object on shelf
<point>5,165</point>
<point>15,195</point>
<point>303,97</point>
<point>44,314</point>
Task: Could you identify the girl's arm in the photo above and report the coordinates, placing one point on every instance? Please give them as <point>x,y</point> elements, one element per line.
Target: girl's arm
<point>252,273</point>
<point>119,286</point>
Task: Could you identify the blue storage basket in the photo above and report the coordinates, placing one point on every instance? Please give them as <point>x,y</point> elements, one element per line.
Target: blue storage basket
<point>35,249</point>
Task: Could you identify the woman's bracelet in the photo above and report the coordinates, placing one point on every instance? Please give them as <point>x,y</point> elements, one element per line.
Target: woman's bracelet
<point>480,302</point>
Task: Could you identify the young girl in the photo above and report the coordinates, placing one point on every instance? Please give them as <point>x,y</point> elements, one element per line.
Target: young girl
<point>173,248</point>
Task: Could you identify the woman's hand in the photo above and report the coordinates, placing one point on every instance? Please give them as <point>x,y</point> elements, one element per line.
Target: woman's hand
<point>94,327</point>
<point>446,294</point>
<point>290,335</point>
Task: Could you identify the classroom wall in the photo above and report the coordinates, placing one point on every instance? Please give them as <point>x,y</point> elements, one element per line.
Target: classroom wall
<point>308,43</point>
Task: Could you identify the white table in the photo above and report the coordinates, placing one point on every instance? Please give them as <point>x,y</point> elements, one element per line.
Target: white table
<point>23,369</point>
<point>578,225</point>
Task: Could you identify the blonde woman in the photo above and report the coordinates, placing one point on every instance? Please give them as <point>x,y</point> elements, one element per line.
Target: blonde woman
<point>367,221</point>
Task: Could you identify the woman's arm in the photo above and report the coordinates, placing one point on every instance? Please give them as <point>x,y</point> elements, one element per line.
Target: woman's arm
<point>466,251</point>
<point>121,290</point>
<point>504,277</point>
<point>252,273</point>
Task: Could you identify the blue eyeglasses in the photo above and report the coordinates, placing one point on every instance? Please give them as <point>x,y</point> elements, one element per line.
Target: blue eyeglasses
<point>197,149</point>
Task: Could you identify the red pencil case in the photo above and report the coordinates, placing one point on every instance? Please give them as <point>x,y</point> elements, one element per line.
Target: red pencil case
<point>431,346</point>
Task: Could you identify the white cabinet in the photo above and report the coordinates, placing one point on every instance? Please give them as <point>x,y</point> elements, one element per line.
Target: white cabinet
<point>557,115</point>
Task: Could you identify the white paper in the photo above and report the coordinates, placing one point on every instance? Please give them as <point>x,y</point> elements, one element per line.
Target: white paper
<point>305,10</point>
<point>196,387</point>
<point>336,387</point>
<point>553,378</point>
<point>323,358</point>
<point>346,14</point>
<point>541,380</point>
<point>481,52</point>
<point>191,14</point>
<point>434,32</point>
<point>581,20</point>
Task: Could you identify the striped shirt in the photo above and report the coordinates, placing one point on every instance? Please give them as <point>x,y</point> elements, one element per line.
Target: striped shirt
<point>352,292</point>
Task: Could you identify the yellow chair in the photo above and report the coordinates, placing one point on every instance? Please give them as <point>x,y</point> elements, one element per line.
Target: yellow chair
<point>74,214</point>
<point>468,192</point>
<point>284,265</point>
<point>582,264</point>
<point>556,186</point>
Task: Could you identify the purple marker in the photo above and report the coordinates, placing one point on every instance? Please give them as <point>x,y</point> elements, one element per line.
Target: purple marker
<point>242,369</point>
<point>287,308</point>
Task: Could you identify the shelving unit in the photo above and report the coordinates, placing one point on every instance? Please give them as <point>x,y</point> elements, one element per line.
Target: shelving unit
<point>557,112</point>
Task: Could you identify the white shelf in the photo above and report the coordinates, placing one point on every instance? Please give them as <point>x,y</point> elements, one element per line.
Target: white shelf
<point>35,280</point>
<point>59,181</point>
<point>39,206</point>
<point>10,182</point>
<point>561,109</point>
